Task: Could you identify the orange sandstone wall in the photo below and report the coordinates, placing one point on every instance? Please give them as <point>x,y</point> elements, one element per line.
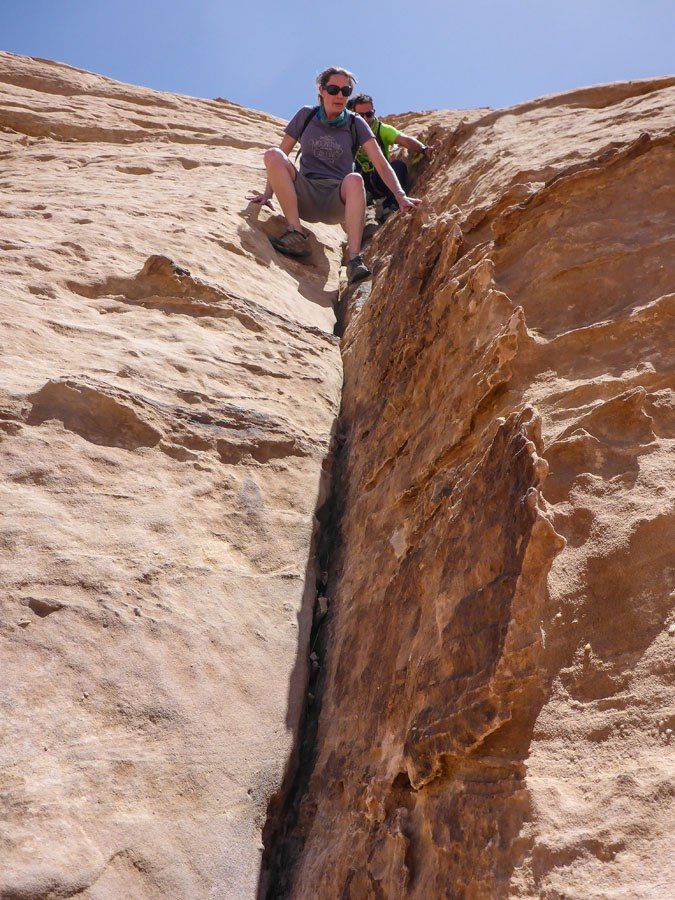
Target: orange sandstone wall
<point>498,688</point>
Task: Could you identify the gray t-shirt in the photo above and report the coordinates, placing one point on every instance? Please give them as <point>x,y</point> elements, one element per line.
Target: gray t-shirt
<point>327,149</point>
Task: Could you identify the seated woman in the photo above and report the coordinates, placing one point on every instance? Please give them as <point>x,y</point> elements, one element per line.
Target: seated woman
<point>326,189</point>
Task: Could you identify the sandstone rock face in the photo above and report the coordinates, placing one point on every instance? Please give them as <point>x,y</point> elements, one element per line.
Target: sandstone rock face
<point>497,698</point>
<point>168,390</point>
<point>492,684</point>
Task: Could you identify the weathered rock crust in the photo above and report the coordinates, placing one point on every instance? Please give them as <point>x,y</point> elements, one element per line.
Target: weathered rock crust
<point>498,702</point>
<point>168,391</point>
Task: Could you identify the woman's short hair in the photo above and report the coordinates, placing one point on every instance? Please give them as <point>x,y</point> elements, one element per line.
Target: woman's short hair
<point>323,78</point>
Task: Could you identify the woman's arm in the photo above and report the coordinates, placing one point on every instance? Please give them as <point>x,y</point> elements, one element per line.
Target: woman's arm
<point>285,146</point>
<point>387,174</point>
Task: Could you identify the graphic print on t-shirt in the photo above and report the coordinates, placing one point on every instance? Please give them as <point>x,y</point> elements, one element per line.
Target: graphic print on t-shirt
<point>327,148</point>
<point>327,151</point>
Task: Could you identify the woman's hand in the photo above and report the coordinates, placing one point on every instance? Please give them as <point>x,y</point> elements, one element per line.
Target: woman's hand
<point>405,203</point>
<point>260,198</point>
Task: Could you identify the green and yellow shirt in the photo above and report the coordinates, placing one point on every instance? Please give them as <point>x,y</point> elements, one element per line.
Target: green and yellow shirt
<point>386,136</point>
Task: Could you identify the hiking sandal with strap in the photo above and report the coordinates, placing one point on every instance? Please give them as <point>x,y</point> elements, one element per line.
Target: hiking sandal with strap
<point>291,243</point>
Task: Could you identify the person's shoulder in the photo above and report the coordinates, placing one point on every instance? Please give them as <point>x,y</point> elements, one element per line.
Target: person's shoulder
<point>303,112</point>
<point>389,132</point>
<point>361,124</point>
<point>298,120</point>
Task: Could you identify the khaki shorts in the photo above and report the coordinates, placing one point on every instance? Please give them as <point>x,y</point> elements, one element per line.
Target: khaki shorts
<point>319,200</point>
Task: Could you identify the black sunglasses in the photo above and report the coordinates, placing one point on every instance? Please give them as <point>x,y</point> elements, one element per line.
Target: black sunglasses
<point>368,115</point>
<point>334,90</point>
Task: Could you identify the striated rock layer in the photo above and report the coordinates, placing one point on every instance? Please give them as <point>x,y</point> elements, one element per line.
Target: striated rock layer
<point>498,690</point>
<point>168,387</point>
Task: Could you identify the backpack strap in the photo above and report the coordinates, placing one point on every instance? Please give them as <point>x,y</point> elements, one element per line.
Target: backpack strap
<point>310,116</point>
<point>378,137</point>
<point>355,137</point>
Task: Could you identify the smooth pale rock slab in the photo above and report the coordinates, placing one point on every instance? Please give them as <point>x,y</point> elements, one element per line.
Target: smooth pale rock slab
<point>167,393</point>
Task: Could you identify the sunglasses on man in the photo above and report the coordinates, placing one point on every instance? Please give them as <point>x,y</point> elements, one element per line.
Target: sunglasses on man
<point>334,90</point>
<point>369,114</point>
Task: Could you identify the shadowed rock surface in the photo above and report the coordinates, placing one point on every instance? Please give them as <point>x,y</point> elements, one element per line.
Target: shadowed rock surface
<point>491,701</point>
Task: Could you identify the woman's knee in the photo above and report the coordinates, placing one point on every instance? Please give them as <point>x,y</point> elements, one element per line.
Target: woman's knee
<point>352,186</point>
<point>354,182</point>
<point>274,157</point>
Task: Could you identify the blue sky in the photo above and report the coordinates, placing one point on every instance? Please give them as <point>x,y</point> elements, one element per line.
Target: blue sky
<point>418,54</point>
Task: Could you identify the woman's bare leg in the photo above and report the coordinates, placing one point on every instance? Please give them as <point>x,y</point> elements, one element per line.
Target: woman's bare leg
<point>281,175</point>
<point>353,196</point>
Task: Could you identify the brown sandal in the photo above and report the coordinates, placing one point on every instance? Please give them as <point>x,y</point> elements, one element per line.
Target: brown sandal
<point>291,243</point>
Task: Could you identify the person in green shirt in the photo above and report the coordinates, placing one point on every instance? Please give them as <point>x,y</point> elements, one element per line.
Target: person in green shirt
<point>386,136</point>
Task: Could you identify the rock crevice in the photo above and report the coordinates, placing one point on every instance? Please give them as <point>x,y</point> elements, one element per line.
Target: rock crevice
<point>503,476</point>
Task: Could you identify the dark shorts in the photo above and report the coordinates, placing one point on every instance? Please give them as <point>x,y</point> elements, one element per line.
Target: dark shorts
<point>319,200</point>
<point>377,188</point>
